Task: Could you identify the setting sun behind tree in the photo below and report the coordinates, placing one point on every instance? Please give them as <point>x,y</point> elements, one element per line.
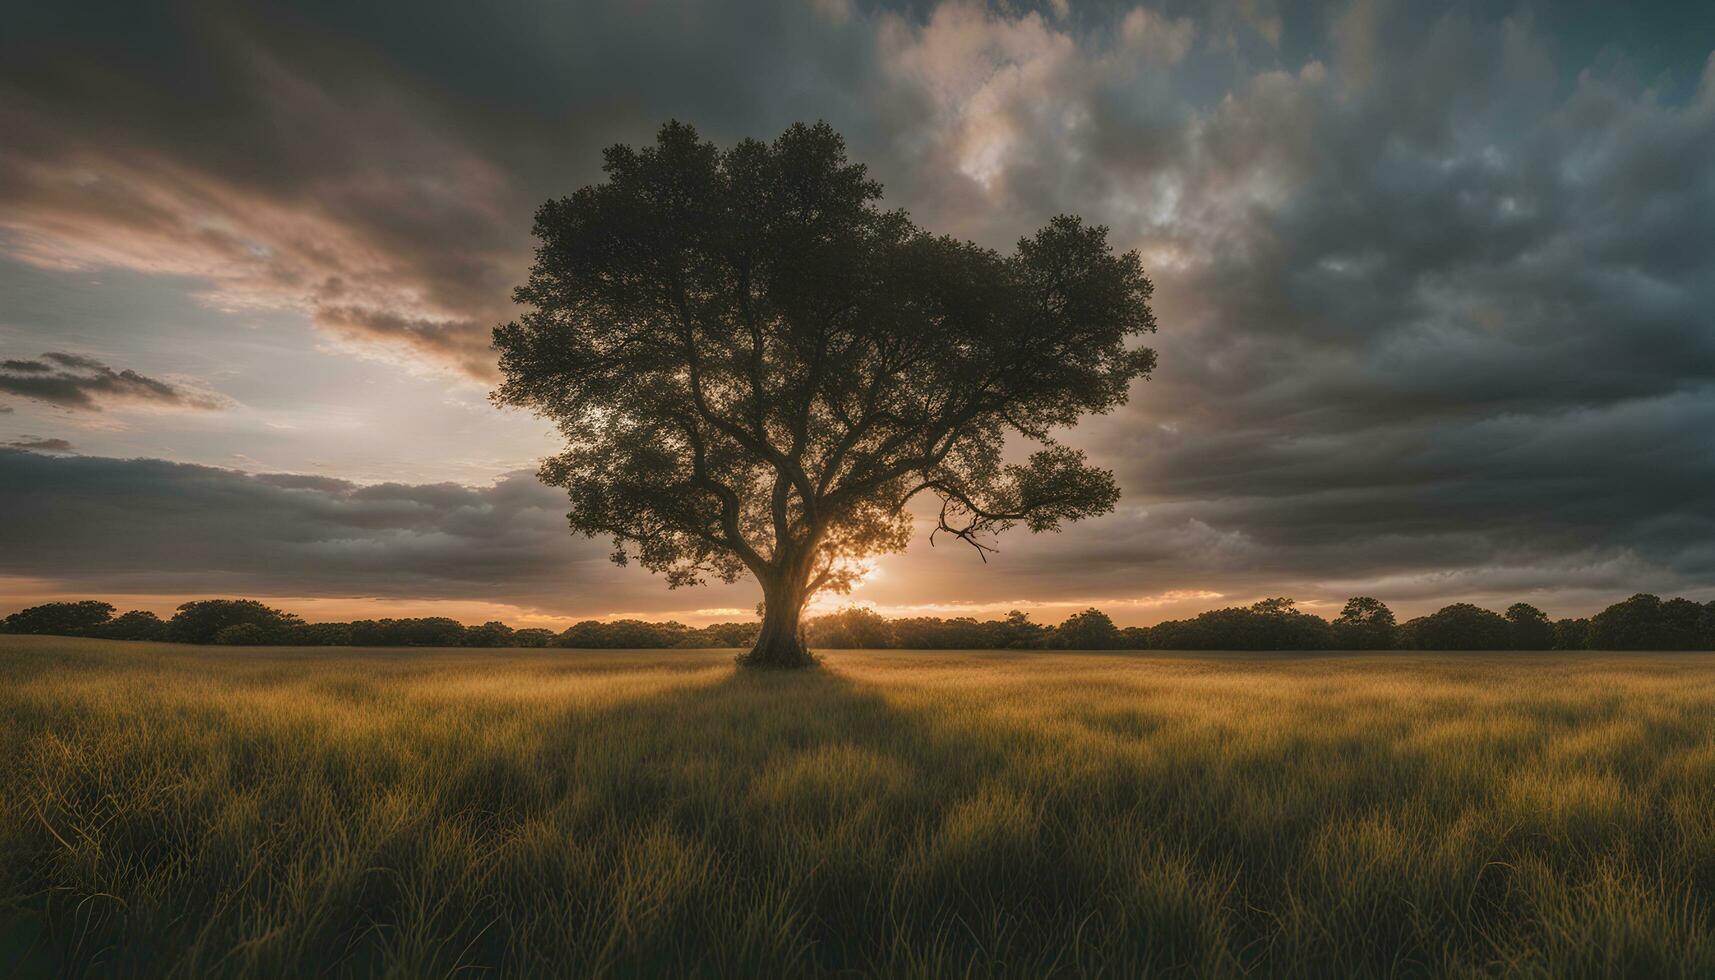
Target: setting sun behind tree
<point>757,368</point>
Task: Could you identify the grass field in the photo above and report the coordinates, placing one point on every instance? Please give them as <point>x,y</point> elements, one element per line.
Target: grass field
<point>203,811</point>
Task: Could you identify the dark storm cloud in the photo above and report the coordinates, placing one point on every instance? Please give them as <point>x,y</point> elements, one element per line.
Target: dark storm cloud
<point>1435,317</point>
<point>1434,281</point>
<point>41,445</point>
<point>84,383</point>
<point>150,526</point>
<point>1470,350</point>
<point>380,180</point>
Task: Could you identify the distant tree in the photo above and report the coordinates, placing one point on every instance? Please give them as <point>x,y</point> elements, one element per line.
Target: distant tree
<point>81,618</point>
<point>138,624</point>
<point>1571,634</point>
<point>1276,606</point>
<point>1528,627</point>
<point>1135,638</point>
<point>532,637</point>
<point>734,635</point>
<point>853,627</point>
<point>202,621</point>
<point>1682,625</point>
<point>935,633</point>
<point>1087,630</point>
<point>489,634</point>
<point>367,633</point>
<point>1017,632</point>
<point>1364,624</point>
<point>620,634</point>
<point>1634,624</point>
<point>1460,626</point>
<point>319,635</point>
<point>244,635</point>
<point>1285,627</point>
<point>1708,625</point>
<point>429,631</point>
<point>757,369</point>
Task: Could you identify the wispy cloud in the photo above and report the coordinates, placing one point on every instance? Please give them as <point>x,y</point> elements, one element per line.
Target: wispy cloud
<point>83,383</point>
<point>41,445</point>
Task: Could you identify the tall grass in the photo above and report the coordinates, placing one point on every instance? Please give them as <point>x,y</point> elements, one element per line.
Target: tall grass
<point>195,812</point>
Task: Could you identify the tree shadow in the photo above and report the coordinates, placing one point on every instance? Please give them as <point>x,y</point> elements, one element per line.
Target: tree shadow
<point>792,822</point>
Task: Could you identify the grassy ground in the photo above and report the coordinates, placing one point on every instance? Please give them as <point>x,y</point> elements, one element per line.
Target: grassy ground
<point>186,811</point>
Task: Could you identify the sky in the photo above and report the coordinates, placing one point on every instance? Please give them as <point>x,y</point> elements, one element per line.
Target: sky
<point>1435,287</point>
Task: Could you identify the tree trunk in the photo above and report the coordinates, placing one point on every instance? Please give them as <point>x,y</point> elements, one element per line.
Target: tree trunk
<point>781,642</point>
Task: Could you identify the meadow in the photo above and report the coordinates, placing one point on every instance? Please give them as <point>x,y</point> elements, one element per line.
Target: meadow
<point>201,811</point>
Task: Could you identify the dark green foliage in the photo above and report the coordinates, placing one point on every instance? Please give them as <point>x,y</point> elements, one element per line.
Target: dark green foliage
<point>1528,628</point>
<point>489,634</point>
<point>1682,625</point>
<point>81,618</point>
<point>245,635</point>
<point>320,635</point>
<point>1134,638</point>
<point>934,633</point>
<point>636,634</point>
<point>1645,622</point>
<point>428,631</point>
<point>1642,622</point>
<point>717,635</point>
<point>138,624</point>
<point>756,368</point>
<point>1365,623</point>
<point>1460,626</point>
<point>1088,630</point>
<point>1272,624</point>
<point>851,628</point>
<point>1017,632</point>
<point>623,634</point>
<point>1635,624</point>
<point>1571,634</point>
<point>202,621</point>
<point>857,628</point>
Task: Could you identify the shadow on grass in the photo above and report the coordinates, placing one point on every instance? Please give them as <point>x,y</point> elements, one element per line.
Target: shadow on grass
<point>801,822</point>
<point>610,814</point>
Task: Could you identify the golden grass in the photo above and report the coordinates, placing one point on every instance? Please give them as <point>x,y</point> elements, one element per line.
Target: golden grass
<point>199,811</point>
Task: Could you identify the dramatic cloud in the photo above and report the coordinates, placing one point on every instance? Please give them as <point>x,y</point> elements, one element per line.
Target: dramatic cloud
<point>1434,280</point>
<point>77,382</point>
<point>41,445</point>
<point>1424,329</point>
<point>281,163</point>
<point>150,526</point>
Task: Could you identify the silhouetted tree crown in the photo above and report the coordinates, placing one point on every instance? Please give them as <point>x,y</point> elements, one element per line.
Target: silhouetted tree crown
<point>1087,630</point>
<point>1365,623</point>
<point>1460,626</point>
<point>1529,627</point>
<point>756,368</point>
<point>66,618</point>
<point>205,620</point>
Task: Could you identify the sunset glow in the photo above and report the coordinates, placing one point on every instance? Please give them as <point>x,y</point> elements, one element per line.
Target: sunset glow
<point>1414,271</point>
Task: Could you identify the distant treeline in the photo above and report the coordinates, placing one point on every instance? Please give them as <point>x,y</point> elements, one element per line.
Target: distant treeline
<point>246,622</point>
<point>1643,622</point>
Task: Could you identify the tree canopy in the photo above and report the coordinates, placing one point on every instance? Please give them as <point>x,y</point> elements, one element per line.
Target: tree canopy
<point>757,368</point>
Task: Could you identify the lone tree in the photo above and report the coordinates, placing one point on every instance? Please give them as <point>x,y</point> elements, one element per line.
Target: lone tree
<point>757,369</point>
